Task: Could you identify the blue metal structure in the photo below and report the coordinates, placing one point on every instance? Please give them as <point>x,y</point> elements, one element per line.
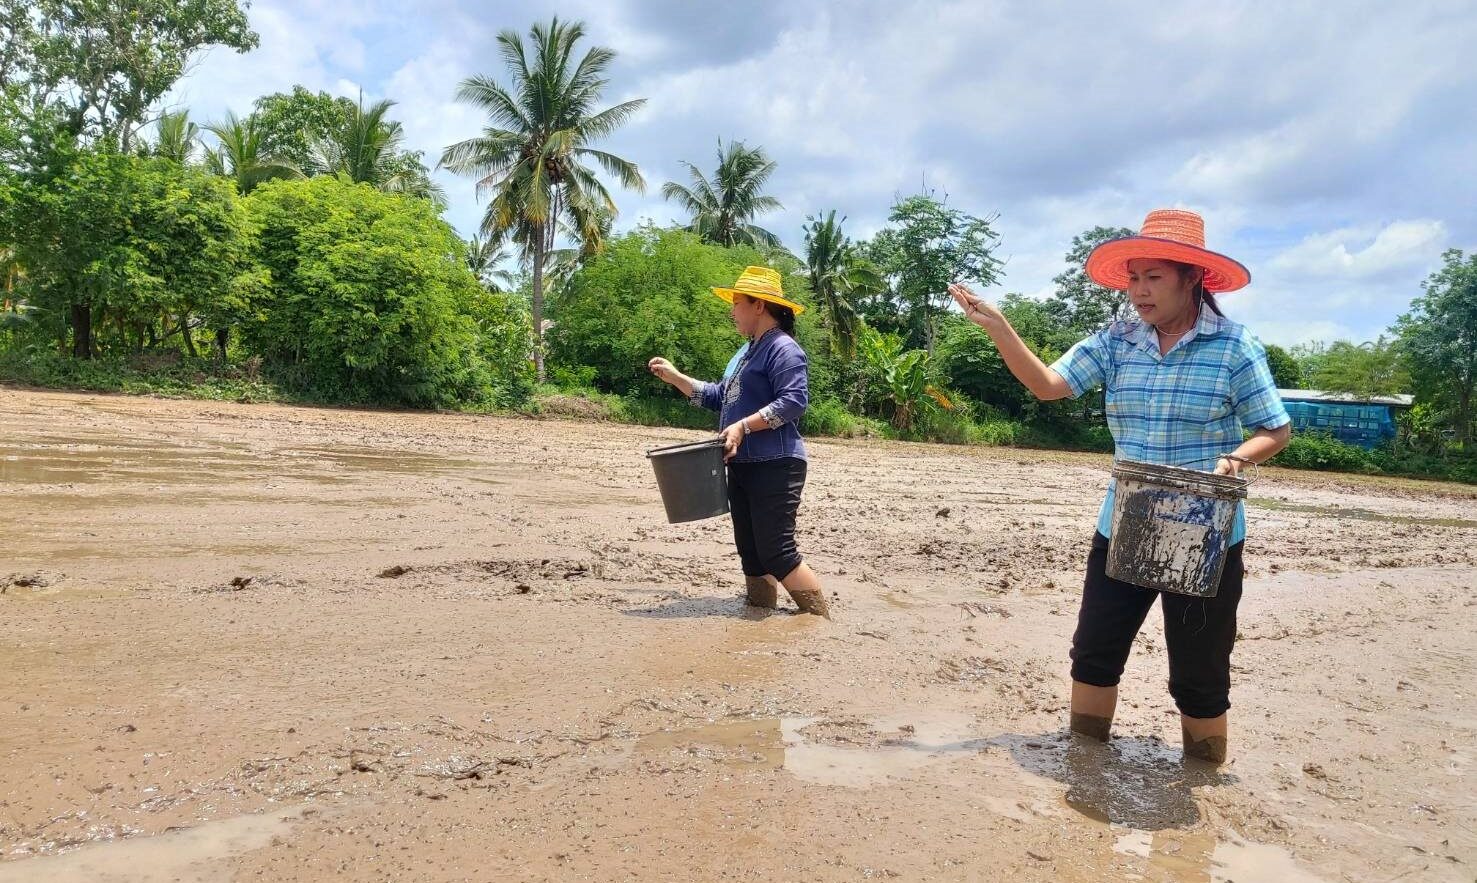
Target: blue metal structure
<point>1367,423</point>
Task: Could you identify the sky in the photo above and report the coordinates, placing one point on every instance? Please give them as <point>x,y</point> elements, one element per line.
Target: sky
<point>1331,147</point>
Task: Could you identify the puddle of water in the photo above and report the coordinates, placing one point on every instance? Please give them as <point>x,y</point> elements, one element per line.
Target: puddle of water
<point>847,753</point>
<point>756,742</point>
<point>63,593</point>
<point>191,855</point>
<point>55,460</point>
<point>1136,783</point>
<point>1198,857</point>
<point>1357,514</point>
<point>379,459</point>
<point>22,464</point>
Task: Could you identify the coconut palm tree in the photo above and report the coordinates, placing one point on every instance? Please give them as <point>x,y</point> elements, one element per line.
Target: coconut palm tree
<point>484,257</point>
<point>367,149</point>
<point>532,156</point>
<point>838,275</point>
<point>723,208</point>
<point>177,138</point>
<point>239,154</point>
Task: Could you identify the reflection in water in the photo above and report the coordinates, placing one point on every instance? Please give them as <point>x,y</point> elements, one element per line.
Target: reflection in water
<point>1141,783</point>
<point>845,753</point>
<point>1143,788</point>
<point>190,855</point>
<point>1199,857</point>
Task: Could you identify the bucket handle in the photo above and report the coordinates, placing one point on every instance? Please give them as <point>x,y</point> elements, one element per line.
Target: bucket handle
<point>1256,468</point>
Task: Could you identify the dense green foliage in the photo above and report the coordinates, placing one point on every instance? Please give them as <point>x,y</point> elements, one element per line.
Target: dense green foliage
<point>297,252</point>
<point>367,297</point>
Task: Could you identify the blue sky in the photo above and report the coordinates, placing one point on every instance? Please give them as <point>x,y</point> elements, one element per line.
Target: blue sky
<point>1330,146</point>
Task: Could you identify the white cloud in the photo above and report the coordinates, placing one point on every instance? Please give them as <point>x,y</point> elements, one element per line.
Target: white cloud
<point>1299,131</point>
<point>1353,253</point>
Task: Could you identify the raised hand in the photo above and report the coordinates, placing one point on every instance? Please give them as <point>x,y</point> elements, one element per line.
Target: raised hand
<point>663,369</point>
<point>976,309</point>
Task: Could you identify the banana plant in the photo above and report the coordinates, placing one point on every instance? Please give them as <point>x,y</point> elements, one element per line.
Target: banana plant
<point>901,384</point>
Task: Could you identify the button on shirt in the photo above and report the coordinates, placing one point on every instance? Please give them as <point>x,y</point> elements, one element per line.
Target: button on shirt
<point>771,377</point>
<point>1183,408</point>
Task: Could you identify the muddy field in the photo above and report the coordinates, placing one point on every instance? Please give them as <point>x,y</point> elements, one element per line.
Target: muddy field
<point>267,643</point>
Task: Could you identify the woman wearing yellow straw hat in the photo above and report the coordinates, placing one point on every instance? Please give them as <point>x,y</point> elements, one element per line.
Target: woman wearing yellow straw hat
<point>1181,382</point>
<point>759,401</point>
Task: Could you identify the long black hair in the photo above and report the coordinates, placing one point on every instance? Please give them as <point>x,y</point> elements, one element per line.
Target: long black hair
<point>1200,295</point>
<point>782,315</point>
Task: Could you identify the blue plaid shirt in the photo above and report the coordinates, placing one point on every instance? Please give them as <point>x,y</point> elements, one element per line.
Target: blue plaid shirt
<point>1184,408</point>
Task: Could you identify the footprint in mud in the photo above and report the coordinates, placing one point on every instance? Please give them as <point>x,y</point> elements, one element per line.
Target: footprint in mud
<point>1134,782</point>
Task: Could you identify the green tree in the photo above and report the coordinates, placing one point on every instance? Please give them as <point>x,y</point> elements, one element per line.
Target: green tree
<point>1083,304</point>
<point>1364,370</point>
<point>838,275</point>
<point>723,209</point>
<point>369,298</point>
<point>366,148</point>
<point>647,294</point>
<point>105,63</point>
<point>1285,371</point>
<point>140,247</point>
<point>931,246</point>
<point>972,363</point>
<point>176,138</point>
<point>290,123</point>
<point>1309,359</point>
<point>239,154</point>
<point>1439,339</point>
<point>532,155</point>
<point>485,258</point>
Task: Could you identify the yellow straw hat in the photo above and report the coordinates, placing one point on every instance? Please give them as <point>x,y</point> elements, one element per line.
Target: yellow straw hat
<point>760,283</point>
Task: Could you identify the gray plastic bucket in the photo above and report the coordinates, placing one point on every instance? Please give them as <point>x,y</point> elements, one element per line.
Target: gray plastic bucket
<point>692,479</point>
<point>1171,526</point>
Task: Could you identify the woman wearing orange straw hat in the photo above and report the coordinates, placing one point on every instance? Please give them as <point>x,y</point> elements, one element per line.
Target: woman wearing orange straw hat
<point>760,400</point>
<point>1181,382</point>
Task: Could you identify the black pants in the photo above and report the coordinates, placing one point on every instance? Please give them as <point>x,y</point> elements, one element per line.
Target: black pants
<point>1199,633</point>
<point>764,498</point>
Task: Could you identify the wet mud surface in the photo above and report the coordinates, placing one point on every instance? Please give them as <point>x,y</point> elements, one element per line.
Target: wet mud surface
<point>258,642</point>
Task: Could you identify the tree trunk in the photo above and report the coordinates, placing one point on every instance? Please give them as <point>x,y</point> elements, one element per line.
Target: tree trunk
<point>222,337</point>
<point>1464,416</point>
<point>538,304</point>
<point>81,331</point>
<point>189,334</point>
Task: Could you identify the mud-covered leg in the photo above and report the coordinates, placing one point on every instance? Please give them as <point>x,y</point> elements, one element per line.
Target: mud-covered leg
<point>761,591</point>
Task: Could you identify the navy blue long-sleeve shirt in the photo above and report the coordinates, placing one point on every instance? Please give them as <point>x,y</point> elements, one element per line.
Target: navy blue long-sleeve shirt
<point>773,379</point>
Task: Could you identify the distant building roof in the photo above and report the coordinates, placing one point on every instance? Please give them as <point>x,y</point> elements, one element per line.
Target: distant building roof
<point>1318,395</point>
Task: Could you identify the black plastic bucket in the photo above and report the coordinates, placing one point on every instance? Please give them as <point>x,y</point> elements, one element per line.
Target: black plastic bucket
<point>692,479</point>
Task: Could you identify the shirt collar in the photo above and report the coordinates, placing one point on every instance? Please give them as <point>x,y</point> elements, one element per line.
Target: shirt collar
<point>1142,334</point>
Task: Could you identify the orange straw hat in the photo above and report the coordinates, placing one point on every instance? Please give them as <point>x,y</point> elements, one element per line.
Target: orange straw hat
<point>1167,235</point>
<point>760,283</point>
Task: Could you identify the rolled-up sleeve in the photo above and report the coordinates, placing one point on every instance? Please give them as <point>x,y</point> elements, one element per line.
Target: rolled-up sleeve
<point>1254,393</point>
<point>789,377</point>
<point>1086,365</point>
